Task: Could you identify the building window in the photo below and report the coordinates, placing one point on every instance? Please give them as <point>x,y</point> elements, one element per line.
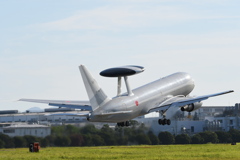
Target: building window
<point>231,122</point>
<point>9,131</point>
<point>218,110</point>
<point>192,129</point>
<point>205,110</point>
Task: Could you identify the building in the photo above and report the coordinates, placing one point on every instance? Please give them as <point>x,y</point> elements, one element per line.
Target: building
<point>21,129</point>
<point>41,118</point>
<point>211,118</point>
<point>207,118</point>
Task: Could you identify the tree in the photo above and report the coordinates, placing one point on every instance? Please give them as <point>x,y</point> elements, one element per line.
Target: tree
<point>44,142</point>
<point>224,137</point>
<point>30,139</point>
<point>182,139</point>
<point>142,139</point>
<point>70,129</point>
<point>19,142</point>
<point>89,129</point>
<point>153,138</point>
<point>122,140</point>
<point>141,129</point>
<point>57,130</point>
<point>50,139</point>
<point>87,140</point>
<point>2,144</point>
<point>76,140</point>
<point>235,134</point>
<point>108,135</point>
<point>166,138</point>
<point>62,141</point>
<point>8,141</point>
<point>209,137</point>
<point>97,140</point>
<point>197,139</point>
<point>133,123</point>
<point>105,128</point>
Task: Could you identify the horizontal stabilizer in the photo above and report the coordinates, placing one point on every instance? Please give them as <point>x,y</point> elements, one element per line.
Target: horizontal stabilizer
<point>112,113</point>
<point>63,103</point>
<point>84,114</point>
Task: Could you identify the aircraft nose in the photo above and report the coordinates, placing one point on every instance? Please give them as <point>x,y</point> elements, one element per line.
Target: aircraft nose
<point>192,83</point>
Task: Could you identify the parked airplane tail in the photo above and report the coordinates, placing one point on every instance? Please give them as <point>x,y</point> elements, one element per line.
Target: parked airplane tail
<point>95,94</point>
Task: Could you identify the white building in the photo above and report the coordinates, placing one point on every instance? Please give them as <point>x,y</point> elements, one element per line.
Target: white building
<point>40,118</point>
<point>25,129</point>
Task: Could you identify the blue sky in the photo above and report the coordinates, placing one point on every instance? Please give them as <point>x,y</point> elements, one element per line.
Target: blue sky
<point>44,42</point>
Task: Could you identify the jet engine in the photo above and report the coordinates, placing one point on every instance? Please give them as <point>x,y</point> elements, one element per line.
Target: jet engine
<point>191,107</point>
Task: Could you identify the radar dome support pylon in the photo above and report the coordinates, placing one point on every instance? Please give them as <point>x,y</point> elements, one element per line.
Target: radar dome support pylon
<point>120,72</point>
<point>119,86</point>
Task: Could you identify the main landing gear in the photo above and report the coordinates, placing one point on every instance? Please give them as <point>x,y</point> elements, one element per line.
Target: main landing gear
<point>122,124</point>
<point>164,121</point>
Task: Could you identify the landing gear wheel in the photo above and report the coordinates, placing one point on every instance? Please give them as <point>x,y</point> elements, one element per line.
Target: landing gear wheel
<point>122,124</point>
<point>168,122</point>
<point>160,121</point>
<point>164,121</point>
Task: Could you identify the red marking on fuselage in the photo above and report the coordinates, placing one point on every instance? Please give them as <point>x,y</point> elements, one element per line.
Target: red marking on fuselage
<point>136,102</point>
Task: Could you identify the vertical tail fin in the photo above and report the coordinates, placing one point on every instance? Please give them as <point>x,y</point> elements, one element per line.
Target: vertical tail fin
<point>95,94</point>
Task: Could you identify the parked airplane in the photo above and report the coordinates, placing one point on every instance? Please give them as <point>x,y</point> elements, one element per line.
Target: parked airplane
<point>164,95</point>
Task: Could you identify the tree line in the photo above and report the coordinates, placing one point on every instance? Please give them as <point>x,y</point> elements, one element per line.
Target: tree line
<point>137,134</point>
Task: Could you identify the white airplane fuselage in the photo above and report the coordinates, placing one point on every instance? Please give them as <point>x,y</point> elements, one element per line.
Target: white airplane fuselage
<point>143,98</point>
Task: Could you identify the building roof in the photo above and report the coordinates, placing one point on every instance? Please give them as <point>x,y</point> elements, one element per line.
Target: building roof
<point>26,126</point>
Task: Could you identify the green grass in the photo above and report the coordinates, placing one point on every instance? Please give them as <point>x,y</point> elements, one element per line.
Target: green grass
<point>165,152</point>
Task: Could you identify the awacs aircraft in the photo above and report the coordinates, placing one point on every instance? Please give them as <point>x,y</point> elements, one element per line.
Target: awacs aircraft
<point>164,95</point>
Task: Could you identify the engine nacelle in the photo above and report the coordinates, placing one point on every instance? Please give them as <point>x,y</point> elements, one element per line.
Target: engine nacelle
<point>191,107</point>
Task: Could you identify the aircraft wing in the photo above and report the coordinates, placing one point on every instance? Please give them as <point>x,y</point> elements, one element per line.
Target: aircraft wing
<point>182,101</point>
<point>63,103</point>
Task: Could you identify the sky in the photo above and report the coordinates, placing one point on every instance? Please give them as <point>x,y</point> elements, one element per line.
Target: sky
<point>43,42</point>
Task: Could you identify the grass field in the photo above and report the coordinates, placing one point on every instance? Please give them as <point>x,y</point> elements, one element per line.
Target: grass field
<point>176,152</point>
